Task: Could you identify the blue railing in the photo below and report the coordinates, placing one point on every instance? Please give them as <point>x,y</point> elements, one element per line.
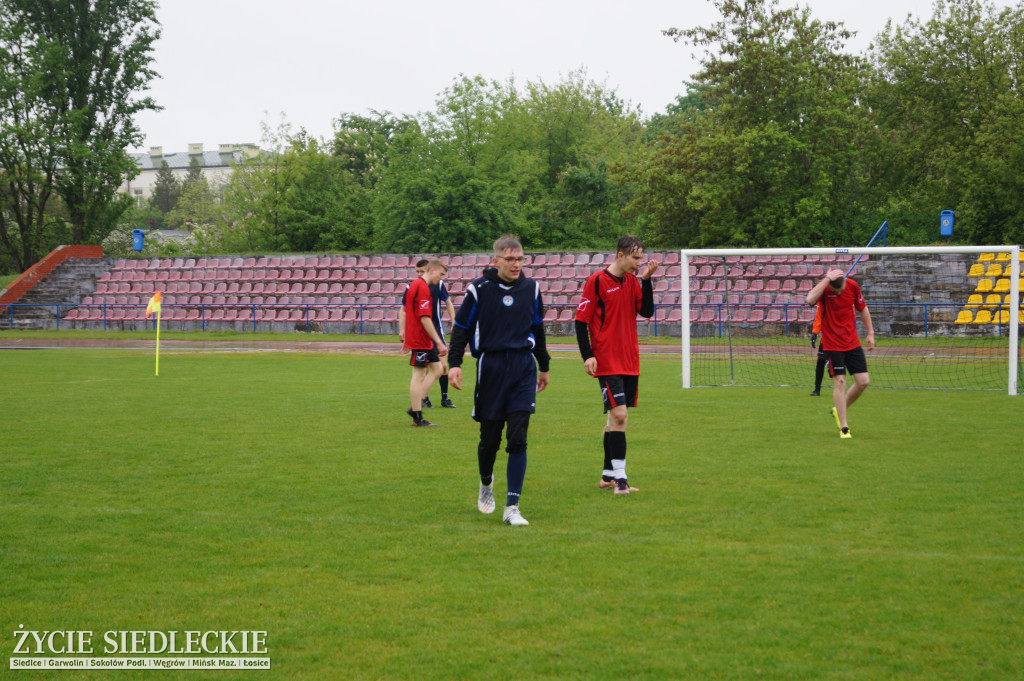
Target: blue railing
<point>788,316</point>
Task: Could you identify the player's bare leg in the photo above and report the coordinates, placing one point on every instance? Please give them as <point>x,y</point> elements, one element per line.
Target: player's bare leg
<point>839,399</point>
<point>860,384</point>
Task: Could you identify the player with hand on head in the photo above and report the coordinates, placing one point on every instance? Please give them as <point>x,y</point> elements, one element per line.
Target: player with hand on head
<point>841,299</point>
<point>502,319</point>
<point>421,338</point>
<point>606,334</point>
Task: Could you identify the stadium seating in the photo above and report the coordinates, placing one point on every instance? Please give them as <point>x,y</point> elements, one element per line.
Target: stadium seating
<point>984,317</point>
<point>965,317</point>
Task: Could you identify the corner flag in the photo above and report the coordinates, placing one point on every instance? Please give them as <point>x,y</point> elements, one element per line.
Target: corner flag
<point>154,307</point>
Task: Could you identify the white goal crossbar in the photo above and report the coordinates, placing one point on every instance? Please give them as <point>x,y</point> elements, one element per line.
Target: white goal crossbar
<point>1014,251</point>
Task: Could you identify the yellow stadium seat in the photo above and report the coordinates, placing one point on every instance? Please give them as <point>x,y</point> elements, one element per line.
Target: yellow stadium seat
<point>1002,317</point>
<point>1002,286</point>
<point>984,286</point>
<point>977,270</point>
<point>994,270</point>
<point>986,257</point>
<point>1003,257</point>
<point>984,317</point>
<point>993,300</point>
<point>975,300</point>
<point>965,317</point>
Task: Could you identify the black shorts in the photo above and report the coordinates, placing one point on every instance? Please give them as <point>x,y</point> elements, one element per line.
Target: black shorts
<point>421,358</point>
<point>506,383</point>
<point>618,390</point>
<point>842,362</point>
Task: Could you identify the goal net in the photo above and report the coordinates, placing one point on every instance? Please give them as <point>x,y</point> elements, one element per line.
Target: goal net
<point>944,317</point>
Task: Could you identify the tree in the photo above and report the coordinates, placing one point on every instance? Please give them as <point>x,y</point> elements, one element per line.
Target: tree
<point>771,158</point>
<point>947,98</point>
<point>195,206</point>
<point>79,66</point>
<point>166,189</point>
<point>27,129</point>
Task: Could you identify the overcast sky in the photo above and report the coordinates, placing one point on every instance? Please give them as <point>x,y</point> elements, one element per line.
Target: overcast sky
<point>228,65</point>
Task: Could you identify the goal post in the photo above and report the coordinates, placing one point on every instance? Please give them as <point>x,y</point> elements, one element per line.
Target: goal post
<point>945,317</point>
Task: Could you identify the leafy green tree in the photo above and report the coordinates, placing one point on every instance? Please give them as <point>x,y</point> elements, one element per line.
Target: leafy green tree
<point>430,199</point>
<point>196,205</point>
<point>771,156</point>
<point>28,163</point>
<point>947,98</point>
<point>94,58</point>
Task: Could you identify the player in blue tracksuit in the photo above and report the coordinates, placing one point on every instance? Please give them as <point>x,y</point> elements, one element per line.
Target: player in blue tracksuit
<point>501,319</point>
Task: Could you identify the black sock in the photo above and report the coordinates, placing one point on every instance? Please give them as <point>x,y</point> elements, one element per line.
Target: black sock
<point>417,416</point>
<point>444,386</point>
<point>607,452</point>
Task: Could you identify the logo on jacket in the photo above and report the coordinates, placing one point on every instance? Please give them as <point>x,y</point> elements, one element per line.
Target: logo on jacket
<point>507,300</point>
<point>583,304</point>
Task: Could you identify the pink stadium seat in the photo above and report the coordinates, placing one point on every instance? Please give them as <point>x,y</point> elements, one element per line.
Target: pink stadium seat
<point>772,285</point>
<point>806,315</point>
<point>768,271</point>
<point>740,285</point>
<point>756,315</point>
<point>704,272</point>
<point>694,315</point>
<point>740,315</point>
<point>805,286</point>
<point>789,286</point>
<point>707,315</point>
<point>784,271</point>
<point>774,315</point>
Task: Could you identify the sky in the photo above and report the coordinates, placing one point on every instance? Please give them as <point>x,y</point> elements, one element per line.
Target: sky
<point>229,66</point>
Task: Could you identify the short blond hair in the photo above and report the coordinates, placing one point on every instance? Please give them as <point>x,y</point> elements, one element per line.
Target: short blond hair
<point>507,242</point>
<point>434,263</point>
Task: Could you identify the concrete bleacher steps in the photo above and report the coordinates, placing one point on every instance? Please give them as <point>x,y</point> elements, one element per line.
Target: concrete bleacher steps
<point>353,294</point>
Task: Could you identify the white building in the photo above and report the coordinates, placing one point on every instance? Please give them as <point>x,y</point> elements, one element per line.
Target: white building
<point>216,166</point>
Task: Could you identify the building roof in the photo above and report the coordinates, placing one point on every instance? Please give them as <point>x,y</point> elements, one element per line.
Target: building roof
<point>223,158</point>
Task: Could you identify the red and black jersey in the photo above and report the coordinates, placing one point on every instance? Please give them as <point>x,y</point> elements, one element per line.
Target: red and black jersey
<point>839,317</point>
<point>608,307</point>
<point>418,303</point>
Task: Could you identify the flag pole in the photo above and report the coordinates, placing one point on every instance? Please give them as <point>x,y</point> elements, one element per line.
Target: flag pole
<point>158,310</point>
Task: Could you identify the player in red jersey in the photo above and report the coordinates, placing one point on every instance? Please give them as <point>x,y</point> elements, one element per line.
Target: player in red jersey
<point>606,333</point>
<point>421,338</point>
<point>841,299</point>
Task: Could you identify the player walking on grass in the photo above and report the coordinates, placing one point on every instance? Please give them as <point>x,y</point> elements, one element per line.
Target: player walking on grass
<point>422,339</point>
<point>439,292</point>
<point>606,333</point>
<point>502,319</point>
<point>841,299</point>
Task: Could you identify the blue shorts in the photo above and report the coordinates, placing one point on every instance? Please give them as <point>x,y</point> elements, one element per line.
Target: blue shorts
<point>506,382</point>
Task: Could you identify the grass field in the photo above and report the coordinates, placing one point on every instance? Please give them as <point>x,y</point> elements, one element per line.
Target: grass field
<point>286,492</point>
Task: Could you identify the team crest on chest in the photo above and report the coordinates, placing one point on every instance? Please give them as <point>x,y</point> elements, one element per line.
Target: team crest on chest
<point>507,300</point>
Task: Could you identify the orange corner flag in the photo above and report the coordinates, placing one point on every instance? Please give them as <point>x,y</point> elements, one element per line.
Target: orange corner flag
<point>154,304</point>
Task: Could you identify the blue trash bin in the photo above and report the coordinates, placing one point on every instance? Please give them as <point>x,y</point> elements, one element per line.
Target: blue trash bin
<point>138,239</point>
<point>946,219</point>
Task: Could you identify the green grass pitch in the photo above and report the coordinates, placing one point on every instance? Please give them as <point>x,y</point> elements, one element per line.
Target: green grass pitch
<point>286,492</point>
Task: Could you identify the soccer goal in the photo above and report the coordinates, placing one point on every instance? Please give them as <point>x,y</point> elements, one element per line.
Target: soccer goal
<point>944,317</point>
